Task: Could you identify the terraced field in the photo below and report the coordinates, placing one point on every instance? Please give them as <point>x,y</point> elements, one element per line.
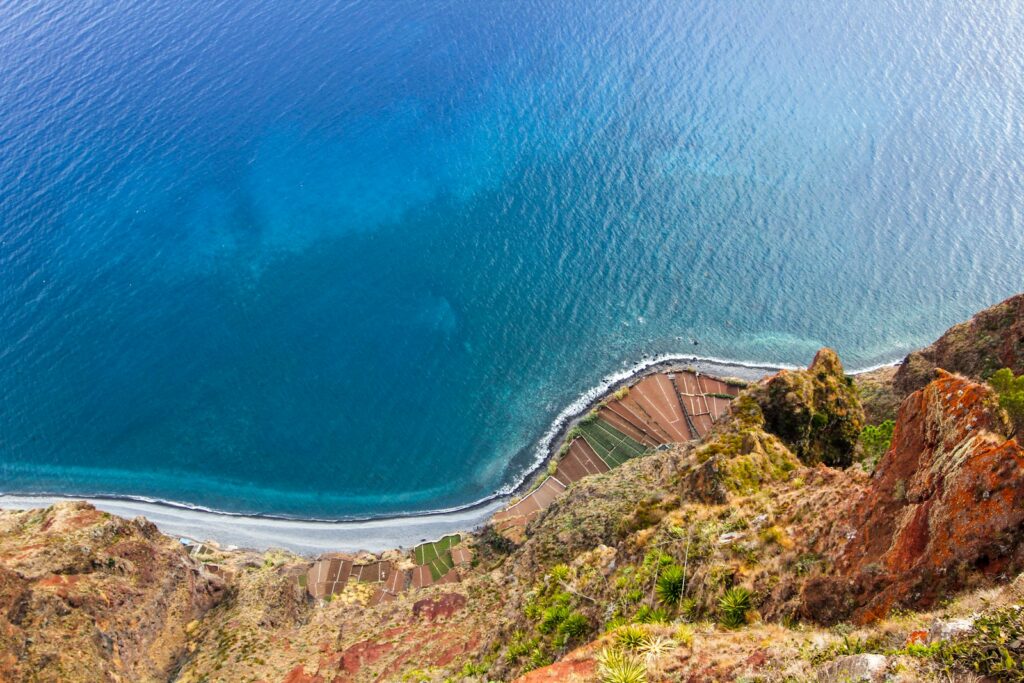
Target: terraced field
<point>662,408</point>
<point>437,556</point>
<point>611,445</point>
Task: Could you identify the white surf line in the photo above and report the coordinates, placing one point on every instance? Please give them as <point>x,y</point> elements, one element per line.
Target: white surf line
<point>299,536</point>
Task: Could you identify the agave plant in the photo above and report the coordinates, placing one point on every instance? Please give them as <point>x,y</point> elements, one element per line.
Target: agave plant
<point>632,637</point>
<point>671,583</point>
<point>616,666</point>
<point>733,607</point>
<point>655,649</point>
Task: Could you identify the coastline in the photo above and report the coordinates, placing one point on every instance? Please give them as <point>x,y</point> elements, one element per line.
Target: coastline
<point>303,537</point>
<point>310,536</point>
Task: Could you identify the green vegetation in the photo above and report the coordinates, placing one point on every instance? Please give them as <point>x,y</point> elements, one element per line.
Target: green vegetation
<point>816,412</point>
<point>552,610</point>
<point>651,615</point>
<point>615,666</point>
<point>437,555</point>
<point>733,607</point>
<point>874,441</point>
<point>631,637</point>
<point>994,648</point>
<point>609,443</point>
<point>727,397</point>
<point>671,583</point>
<point>573,627</point>
<point>1011,395</point>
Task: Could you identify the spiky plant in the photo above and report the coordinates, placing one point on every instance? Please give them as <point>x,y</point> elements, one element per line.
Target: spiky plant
<point>616,666</point>
<point>559,573</point>
<point>733,607</point>
<point>671,583</point>
<point>655,649</point>
<point>684,635</point>
<point>651,615</point>
<point>632,637</point>
<point>573,627</point>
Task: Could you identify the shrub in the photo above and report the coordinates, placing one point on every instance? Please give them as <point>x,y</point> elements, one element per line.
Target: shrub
<point>777,535</point>
<point>671,583</point>
<point>995,646</point>
<point>552,617</point>
<point>733,607</point>
<point>650,615</point>
<point>615,666</point>
<point>689,609</point>
<point>539,658</point>
<point>874,441</point>
<point>573,627</point>
<point>683,635</point>
<point>1011,395</point>
<point>519,646</point>
<point>558,573</point>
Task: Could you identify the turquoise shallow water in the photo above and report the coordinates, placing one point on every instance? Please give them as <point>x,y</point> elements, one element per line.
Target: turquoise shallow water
<point>328,260</point>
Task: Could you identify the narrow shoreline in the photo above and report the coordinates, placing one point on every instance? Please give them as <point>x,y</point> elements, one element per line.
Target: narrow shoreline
<point>310,536</point>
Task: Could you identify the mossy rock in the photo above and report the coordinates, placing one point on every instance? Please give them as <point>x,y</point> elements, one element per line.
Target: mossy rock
<point>816,412</point>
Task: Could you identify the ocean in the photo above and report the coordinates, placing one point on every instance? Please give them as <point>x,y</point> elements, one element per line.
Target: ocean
<point>344,259</point>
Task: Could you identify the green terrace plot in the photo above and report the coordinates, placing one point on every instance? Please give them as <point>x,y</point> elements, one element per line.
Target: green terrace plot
<point>609,443</point>
<point>437,555</point>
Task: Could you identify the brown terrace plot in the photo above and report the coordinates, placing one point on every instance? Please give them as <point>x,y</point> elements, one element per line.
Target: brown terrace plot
<point>666,407</point>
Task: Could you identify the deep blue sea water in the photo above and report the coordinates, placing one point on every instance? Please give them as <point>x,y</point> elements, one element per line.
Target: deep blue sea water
<point>348,258</point>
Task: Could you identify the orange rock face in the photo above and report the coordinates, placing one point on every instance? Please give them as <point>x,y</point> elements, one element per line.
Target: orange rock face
<point>944,508</point>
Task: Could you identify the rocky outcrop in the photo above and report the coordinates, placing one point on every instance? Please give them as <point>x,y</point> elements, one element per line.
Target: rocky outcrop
<point>992,339</point>
<point>944,509</point>
<point>816,412</point>
<point>738,457</point>
<point>85,596</point>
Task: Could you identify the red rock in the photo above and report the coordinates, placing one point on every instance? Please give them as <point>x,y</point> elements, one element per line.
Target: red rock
<point>992,339</point>
<point>562,671</point>
<point>442,608</point>
<point>944,507</point>
<point>299,675</point>
<point>917,638</point>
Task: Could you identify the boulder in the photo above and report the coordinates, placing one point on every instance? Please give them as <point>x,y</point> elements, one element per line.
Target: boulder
<point>949,629</point>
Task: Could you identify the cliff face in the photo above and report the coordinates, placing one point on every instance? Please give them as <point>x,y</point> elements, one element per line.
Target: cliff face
<point>85,596</point>
<point>943,511</point>
<point>992,339</point>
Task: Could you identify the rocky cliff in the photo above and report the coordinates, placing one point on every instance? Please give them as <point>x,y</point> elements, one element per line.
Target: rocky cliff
<point>992,339</point>
<point>85,596</point>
